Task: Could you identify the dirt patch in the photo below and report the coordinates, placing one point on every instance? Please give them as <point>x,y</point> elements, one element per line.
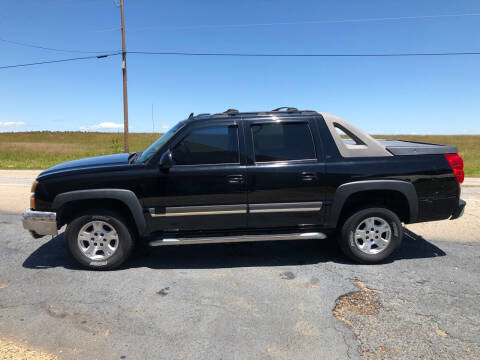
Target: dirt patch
<point>441,332</point>
<point>13,351</point>
<point>362,302</point>
<point>287,275</point>
<point>357,309</point>
<point>164,291</point>
<point>44,147</point>
<point>307,329</point>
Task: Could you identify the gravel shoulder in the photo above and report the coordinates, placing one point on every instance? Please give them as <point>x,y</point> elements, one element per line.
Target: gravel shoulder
<point>464,230</point>
<point>11,350</point>
<point>15,189</point>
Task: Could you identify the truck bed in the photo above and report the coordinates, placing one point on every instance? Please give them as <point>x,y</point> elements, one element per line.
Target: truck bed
<point>400,147</point>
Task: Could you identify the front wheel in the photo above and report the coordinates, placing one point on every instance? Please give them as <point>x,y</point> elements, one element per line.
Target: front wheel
<point>99,240</point>
<point>370,235</point>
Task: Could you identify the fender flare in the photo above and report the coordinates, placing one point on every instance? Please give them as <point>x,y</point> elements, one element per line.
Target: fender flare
<point>345,190</point>
<point>125,196</point>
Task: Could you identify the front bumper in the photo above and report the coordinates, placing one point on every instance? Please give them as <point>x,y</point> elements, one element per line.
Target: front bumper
<point>459,210</point>
<point>40,223</point>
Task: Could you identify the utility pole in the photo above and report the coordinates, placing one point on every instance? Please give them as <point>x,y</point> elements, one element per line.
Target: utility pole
<point>125,95</point>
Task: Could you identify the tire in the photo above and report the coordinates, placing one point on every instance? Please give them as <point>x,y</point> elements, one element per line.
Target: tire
<point>361,244</point>
<point>108,244</point>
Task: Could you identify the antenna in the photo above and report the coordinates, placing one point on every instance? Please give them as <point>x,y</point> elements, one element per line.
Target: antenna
<point>153,122</point>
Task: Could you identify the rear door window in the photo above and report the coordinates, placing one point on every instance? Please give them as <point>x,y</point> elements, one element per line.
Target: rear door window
<point>282,142</point>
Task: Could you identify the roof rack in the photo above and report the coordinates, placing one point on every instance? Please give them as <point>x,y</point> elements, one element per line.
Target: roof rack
<point>281,110</point>
<point>231,112</point>
<point>227,112</point>
<point>287,109</point>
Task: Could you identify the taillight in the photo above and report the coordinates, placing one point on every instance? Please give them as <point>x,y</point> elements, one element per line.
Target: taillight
<point>456,163</point>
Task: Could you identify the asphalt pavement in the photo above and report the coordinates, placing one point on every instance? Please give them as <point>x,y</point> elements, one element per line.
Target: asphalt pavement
<point>284,300</point>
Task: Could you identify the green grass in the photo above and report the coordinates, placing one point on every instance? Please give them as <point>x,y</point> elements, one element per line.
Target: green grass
<point>40,150</point>
<point>468,147</point>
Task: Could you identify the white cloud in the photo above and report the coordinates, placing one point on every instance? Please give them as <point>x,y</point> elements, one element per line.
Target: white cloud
<point>103,126</point>
<point>11,123</point>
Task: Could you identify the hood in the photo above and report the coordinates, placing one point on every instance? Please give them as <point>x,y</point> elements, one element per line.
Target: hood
<point>93,163</point>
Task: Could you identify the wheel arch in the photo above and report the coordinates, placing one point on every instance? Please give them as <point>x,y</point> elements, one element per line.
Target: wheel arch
<point>124,201</point>
<point>354,192</point>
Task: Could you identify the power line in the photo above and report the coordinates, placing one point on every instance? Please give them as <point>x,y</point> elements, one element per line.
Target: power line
<point>302,55</point>
<point>52,49</point>
<point>245,55</point>
<point>311,22</point>
<point>247,25</point>
<point>58,61</point>
<point>205,26</point>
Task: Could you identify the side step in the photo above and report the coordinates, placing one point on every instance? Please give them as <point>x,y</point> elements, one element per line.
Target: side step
<point>237,238</point>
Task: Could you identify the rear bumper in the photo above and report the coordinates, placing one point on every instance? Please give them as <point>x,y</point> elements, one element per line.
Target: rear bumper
<point>40,223</point>
<point>459,210</point>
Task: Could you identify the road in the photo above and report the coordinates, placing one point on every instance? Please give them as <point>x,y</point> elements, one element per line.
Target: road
<point>286,300</point>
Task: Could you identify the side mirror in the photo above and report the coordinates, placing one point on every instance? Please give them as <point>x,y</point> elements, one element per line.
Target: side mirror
<point>166,160</point>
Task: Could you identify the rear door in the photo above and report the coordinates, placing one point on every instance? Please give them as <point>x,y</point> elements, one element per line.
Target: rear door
<point>284,173</point>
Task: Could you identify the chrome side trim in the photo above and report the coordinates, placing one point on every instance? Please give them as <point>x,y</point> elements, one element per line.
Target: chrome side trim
<point>285,207</point>
<point>237,209</point>
<point>238,238</point>
<point>283,210</point>
<point>200,210</point>
<point>202,213</point>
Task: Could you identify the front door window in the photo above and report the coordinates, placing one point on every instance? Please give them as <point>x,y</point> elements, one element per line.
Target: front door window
<point>208,145</point>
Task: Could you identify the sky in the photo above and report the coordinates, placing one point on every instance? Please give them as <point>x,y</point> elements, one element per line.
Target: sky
<point>388,95</point>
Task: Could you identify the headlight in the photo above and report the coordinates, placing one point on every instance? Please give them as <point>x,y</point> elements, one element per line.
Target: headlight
<point>34,186</point>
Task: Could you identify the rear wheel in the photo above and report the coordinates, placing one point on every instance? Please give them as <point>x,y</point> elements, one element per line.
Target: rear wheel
<point>99,240</point>
<point>370,235</point>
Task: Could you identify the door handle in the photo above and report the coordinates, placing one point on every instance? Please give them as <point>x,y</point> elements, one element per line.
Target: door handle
<point>235,179</point>
<point>308,176</point>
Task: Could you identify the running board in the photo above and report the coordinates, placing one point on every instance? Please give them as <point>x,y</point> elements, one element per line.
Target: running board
<point>237,238</point>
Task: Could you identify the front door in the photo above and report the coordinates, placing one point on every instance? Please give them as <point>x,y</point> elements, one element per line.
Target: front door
<point>206,187</point>
<point>284,174</point>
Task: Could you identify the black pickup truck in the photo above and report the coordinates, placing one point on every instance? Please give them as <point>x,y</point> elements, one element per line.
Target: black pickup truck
<point>255,176</point>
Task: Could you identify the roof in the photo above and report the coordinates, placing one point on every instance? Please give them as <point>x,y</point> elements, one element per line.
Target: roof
<point>233,113</point>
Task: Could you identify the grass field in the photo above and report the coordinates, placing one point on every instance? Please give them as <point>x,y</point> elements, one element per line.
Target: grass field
<point>40,150</point>
<point>468,147</point>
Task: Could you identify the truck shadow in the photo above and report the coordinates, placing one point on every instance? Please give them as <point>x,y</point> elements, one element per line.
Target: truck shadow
<point>295,252</point>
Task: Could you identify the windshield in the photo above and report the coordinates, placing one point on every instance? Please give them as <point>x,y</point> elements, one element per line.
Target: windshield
<point>152,149</point>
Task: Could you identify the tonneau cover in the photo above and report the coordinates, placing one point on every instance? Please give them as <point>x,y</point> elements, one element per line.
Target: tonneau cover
<point>400,147</point>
